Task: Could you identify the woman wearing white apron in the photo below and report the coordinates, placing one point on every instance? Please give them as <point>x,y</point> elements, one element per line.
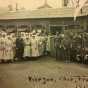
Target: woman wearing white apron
<point>39,45</point>
<point>27,47</point>
<point>9,49</point>
<point>34,47</point>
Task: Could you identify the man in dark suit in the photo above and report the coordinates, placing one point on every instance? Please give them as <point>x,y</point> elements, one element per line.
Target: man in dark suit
<point>57,43</point>
<point>19,48</point>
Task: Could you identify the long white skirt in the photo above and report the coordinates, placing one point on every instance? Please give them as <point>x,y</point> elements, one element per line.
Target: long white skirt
<point>9,54</point>
<point>27,51</point>
<point>35,52</point>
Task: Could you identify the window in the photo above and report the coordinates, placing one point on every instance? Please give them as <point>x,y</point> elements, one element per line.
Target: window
<point>65,2</point>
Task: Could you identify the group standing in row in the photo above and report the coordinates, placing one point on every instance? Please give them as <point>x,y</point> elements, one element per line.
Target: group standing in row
<point>22,45</point>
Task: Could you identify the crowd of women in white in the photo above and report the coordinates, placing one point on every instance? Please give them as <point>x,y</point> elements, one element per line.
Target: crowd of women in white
<point>34,45</point>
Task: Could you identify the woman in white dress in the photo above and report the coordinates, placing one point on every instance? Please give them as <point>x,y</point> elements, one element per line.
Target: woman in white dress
<point>34,47</point>
<point>39,44</point>
<point>27,47</point>
<point>9,49</point>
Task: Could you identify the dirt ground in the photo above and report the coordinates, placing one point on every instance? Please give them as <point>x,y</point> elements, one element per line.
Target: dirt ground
<point>45,72</point>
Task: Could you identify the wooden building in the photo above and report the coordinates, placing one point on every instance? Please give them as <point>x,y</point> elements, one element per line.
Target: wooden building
<point>46,18</point>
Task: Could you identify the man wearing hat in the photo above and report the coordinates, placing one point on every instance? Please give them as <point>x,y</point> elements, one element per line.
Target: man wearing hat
<point>57,44</point>
<point>19,47</point>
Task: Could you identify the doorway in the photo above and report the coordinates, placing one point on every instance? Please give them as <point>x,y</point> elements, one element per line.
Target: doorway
<point>55,28</point>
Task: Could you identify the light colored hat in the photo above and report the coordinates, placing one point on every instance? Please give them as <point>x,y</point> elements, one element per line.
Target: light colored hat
<point>62,35</point>
<point>26,33</point>
<point>9,36</point>
<point>4,33</point>
<point>29,33</point>
<point>39,31</point>
<point>79,36</point>
<point>33,35</point>
<point>33,31</point>
<point>22,33</point>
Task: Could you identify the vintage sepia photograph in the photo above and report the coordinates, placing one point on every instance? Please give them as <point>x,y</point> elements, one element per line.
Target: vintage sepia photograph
<point>43,43</point>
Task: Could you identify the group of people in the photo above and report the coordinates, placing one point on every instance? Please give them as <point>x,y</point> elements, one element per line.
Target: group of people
<point>21,45</point>
<point>72,47</point>
<point>7,45</point>
<point>16,46</point>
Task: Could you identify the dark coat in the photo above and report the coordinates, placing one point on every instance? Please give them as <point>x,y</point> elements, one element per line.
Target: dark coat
<point>19,48</point>
<point>19,43</point>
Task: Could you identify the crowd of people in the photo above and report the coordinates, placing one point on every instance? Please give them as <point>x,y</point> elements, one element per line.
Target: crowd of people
<point>72,47</point>
<point>25,45</point>
<point>21,45</point>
